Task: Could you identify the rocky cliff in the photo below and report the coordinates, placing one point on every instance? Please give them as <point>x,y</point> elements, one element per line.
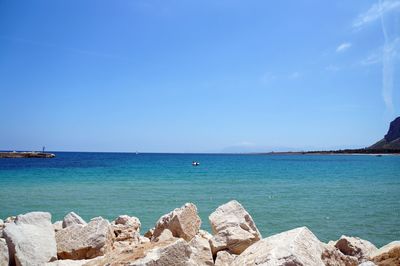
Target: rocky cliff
<point>391,139</point>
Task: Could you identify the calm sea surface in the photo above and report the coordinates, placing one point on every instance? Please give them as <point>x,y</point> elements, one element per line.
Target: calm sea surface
<point>332,195</point>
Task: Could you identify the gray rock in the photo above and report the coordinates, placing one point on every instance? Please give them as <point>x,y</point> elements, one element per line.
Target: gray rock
<point>84,241</point>
<point>71,219</point>
<point>31,239</point>
<point>233,228</point>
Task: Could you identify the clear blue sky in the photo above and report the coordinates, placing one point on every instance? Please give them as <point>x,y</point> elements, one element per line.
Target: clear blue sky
<point>197,76</point>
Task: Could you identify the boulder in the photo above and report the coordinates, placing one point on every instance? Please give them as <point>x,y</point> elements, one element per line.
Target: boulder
<point>368,263</point>
<point>149,234</point>
<point>295,247</point>
<point>201,251</point>
<point>58,226</point>
<point>1,223</point>
<point>128,221</point>
<point>224,258</point>
<point>71,219</point>
<point>175,253</point>
<point>10,219</point>
<point>126,228</point>
<point>205,234</point>
<point>332,256</point>
<point>183,222</point>
<point>84,241</point>
<point>356,247</point>
<point>233,228</point>
<point>165,235</point>
<point>3,253</point>
<point>69,262</point>
<point>30,239</point>
<point>387,255</point>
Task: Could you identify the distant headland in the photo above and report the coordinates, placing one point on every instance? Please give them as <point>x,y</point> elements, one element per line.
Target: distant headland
<point>390,144</point>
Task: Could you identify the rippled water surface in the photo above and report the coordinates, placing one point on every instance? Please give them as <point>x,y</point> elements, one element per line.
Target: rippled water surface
<point>332,195</point>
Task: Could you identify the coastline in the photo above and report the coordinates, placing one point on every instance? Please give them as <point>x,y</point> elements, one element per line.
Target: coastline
<point>176,239</point>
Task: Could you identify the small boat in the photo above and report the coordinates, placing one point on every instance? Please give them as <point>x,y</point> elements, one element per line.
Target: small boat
<point>194,163</point>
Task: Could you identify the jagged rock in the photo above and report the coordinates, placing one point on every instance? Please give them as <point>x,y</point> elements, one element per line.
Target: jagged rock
<point>128,221</point>
<point>84,241</point>
<point>183,222</point>
<point>10,219</point>
<point>165,235</point>
<point>30,239</point>
<point>224,258</point>
<point>57,226</point>
<point>201,251</point>
<point>3,253</point>
<point>356,247</point>
<point>1,228</point>
<point>233,228</point>
<point>176,253</point>
<point>143,240</point>
<point>149,234</point>
<point>367,263</point>
<point>71,219</point>
<point>332,256</point>
<point>205,234</point>
<point>295,247</point>
<point>126,228</point>
<point>69,262</point>
<point>387,255</point>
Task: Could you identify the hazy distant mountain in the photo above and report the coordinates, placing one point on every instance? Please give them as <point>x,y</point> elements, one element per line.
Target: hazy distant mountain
<point>391,139</point>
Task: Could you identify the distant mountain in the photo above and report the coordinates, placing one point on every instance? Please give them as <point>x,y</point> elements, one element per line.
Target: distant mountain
<point>391,139</point>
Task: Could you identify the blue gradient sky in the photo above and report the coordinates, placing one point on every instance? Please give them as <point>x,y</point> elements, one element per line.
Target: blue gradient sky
<point>197,76</point>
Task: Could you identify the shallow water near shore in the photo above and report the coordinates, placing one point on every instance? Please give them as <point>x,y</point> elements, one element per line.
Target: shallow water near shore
<point>330,194</point>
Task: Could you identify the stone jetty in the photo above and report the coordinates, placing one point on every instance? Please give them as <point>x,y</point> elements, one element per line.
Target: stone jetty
<point>31,154</point>
<point>177,239</point>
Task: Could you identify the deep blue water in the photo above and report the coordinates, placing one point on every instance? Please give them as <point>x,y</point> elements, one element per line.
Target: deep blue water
<point>331,194</point>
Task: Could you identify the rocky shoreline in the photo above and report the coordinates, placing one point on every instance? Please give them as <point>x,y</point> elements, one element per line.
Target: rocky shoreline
<point>176,239</point>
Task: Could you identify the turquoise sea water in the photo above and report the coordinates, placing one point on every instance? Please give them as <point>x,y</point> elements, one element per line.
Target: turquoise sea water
<point>330,194</point>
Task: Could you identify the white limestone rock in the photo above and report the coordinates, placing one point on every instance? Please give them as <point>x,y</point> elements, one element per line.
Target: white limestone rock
<point>165,235</point>
<point>233,228</point>
<point>295,247</point>
<point>30,239</point>
<point>58,226</point>
<point>84,241</point>
<point>356,247</point>
<point>175,253</point>
<point>332,256</point>
<point>71,219</point>
<point>183,222</point>
<point>4,260</point>
<point>201,251</point>
<point>224,258</point>
<point>126,228</point>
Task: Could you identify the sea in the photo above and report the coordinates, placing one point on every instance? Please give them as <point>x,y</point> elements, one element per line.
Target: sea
<point>333,195</point>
